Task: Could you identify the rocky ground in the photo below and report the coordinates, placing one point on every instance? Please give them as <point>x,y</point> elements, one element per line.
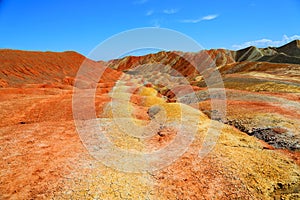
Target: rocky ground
<point>251,152</point>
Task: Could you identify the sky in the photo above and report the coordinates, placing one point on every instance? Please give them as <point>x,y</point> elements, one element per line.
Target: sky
<point>80,25</point>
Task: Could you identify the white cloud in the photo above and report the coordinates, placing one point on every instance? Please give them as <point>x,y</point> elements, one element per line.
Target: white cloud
<point>205,18</point>
<point>170,11</point>
<point>209,17</point>
<point>267,42</point>
<point>149,12</point>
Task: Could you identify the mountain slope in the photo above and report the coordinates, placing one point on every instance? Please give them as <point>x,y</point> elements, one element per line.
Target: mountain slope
<point>185,63</point>
<point>288,53</point>
<point>29,67</point>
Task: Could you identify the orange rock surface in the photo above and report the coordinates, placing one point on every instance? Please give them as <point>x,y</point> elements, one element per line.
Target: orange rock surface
<point>43,156</point>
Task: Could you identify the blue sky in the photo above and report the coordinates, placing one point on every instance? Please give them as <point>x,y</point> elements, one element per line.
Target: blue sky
<point>59,25</point>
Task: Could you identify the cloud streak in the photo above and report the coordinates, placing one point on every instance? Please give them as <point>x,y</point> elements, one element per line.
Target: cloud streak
<point>267,42</point>
<point>149,12</point>
<point>209,17</point>
<point>205,18</point>
<point>170,11</point>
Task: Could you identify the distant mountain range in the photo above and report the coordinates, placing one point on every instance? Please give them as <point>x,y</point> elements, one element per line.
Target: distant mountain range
<point>226,61</point>
<point>289,53</point>
<point>21,67</point>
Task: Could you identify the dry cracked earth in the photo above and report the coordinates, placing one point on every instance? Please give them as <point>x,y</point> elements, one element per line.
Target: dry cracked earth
<point>237,138</point>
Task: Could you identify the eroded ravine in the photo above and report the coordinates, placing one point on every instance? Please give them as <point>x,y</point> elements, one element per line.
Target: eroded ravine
<point>238,167</point>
